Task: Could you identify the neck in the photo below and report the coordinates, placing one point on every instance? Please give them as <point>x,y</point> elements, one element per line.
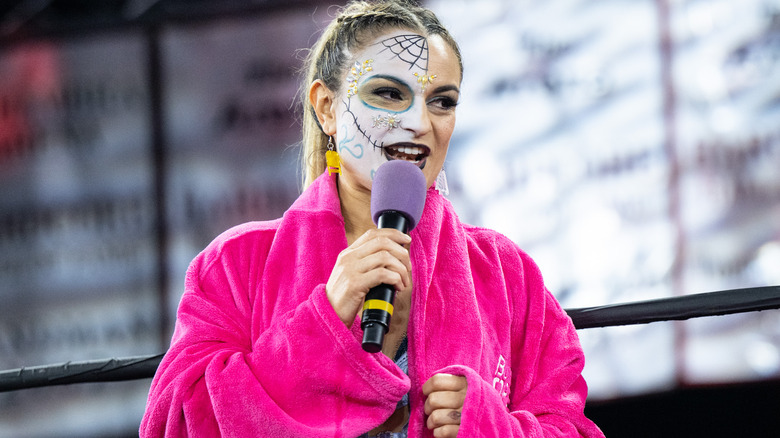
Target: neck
<point>356,210</point>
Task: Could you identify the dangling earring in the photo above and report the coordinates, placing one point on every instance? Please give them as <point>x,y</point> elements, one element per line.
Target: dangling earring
<point>441,183</point>
<point>332,158</point>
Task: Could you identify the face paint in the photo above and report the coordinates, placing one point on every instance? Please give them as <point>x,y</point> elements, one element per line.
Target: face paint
<point>424,80</point>
<point>389,121</point>
<point>383,105</point>
<point>357,71</point>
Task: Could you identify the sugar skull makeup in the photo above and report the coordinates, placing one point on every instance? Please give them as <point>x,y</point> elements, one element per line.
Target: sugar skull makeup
<point>384,105</point>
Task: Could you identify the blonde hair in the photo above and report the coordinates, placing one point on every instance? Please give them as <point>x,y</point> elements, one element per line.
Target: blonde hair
<point>327,60</point>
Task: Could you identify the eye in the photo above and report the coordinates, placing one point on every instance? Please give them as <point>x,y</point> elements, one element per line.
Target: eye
<point>445,103</point>
<point>389,93</point>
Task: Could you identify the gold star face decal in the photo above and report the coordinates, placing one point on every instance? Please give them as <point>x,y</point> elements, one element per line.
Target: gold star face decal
<point>357,71</point>
<point>424,80</point>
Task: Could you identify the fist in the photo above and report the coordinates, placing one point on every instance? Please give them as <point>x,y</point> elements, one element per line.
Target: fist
<point>445,394</point>
<point>376,257</point>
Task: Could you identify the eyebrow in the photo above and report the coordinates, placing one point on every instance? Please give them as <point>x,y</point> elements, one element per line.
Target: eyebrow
<point>439,89</point>
<point>445,88</point>
<point>398,81</point>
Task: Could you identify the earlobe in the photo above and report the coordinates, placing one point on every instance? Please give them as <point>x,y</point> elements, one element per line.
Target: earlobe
<point>324,104</point>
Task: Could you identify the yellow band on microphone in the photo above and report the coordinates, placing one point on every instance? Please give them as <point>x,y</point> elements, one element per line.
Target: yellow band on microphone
<point>378,304</point>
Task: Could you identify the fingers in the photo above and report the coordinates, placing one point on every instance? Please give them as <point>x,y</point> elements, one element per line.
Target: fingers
<point>444,400</point>
<point>385,240</point>
<point>445,395</point>
<point>376,257</point>
<point>444,382</point>
<point>443,417</point>
<point>380,255</point>
<point>391,266</point>
<point>395,235</point>
<point>448,431</point>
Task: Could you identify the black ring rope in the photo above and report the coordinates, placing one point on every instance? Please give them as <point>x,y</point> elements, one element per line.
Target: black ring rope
<point>678,308</point>
<point>638,312</point>
<point>103,370</point>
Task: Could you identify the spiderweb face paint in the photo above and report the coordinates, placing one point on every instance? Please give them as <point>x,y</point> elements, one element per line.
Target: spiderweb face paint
<point>384,94</point>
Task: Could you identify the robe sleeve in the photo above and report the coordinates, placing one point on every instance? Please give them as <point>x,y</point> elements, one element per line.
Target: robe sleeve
<point>304,375</point>
<point>548,392</point>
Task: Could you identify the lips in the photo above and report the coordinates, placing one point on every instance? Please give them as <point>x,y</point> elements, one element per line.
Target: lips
<point>412,152</point>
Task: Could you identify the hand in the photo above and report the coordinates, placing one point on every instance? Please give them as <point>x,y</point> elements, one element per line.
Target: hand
<point>376,257</point>
<point>445,394</point>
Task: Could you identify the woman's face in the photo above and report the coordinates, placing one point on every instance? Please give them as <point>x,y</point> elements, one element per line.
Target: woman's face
<point>397,103</point>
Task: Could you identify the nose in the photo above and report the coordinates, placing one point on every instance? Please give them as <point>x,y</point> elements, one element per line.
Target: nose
<point>417,119</point>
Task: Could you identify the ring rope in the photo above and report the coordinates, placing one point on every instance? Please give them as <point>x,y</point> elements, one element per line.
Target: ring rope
<point>639,312</point>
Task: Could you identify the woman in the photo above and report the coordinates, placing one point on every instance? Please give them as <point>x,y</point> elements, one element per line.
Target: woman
<point>267,339</point>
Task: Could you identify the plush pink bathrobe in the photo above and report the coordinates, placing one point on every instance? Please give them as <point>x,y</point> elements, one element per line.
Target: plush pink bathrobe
<point>259,352</point>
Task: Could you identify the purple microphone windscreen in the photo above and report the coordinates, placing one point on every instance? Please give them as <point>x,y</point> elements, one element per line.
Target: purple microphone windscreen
<point>398,186</point>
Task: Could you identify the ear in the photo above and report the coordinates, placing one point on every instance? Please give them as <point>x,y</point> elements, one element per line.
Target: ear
<point>324,102</point>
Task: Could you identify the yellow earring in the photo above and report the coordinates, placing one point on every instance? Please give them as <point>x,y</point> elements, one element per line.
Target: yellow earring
<point>332,158</point>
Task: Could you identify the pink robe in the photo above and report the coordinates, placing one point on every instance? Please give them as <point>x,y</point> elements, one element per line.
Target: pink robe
<point>258,350</point>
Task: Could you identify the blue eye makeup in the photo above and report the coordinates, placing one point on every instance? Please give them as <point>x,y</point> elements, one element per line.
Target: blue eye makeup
<point>386,93</point>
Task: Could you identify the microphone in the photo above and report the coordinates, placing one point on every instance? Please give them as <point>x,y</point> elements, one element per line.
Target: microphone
<point>397,201</point>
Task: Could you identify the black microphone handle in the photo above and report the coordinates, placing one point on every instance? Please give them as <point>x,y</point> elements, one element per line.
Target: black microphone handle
<point>393,219</point>
<point>378,307</point>
<point>377,312</point>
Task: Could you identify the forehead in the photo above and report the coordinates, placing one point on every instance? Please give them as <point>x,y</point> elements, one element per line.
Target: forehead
<point>405,50</point>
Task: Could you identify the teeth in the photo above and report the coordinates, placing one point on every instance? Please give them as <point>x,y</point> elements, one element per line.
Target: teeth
<point>410,150</point>
<point>406,152</point>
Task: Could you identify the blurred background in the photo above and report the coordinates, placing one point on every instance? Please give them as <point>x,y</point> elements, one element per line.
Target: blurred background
<point>631,147</point>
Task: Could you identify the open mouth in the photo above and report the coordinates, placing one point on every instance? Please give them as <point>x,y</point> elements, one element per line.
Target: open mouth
<point>414,153</point>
